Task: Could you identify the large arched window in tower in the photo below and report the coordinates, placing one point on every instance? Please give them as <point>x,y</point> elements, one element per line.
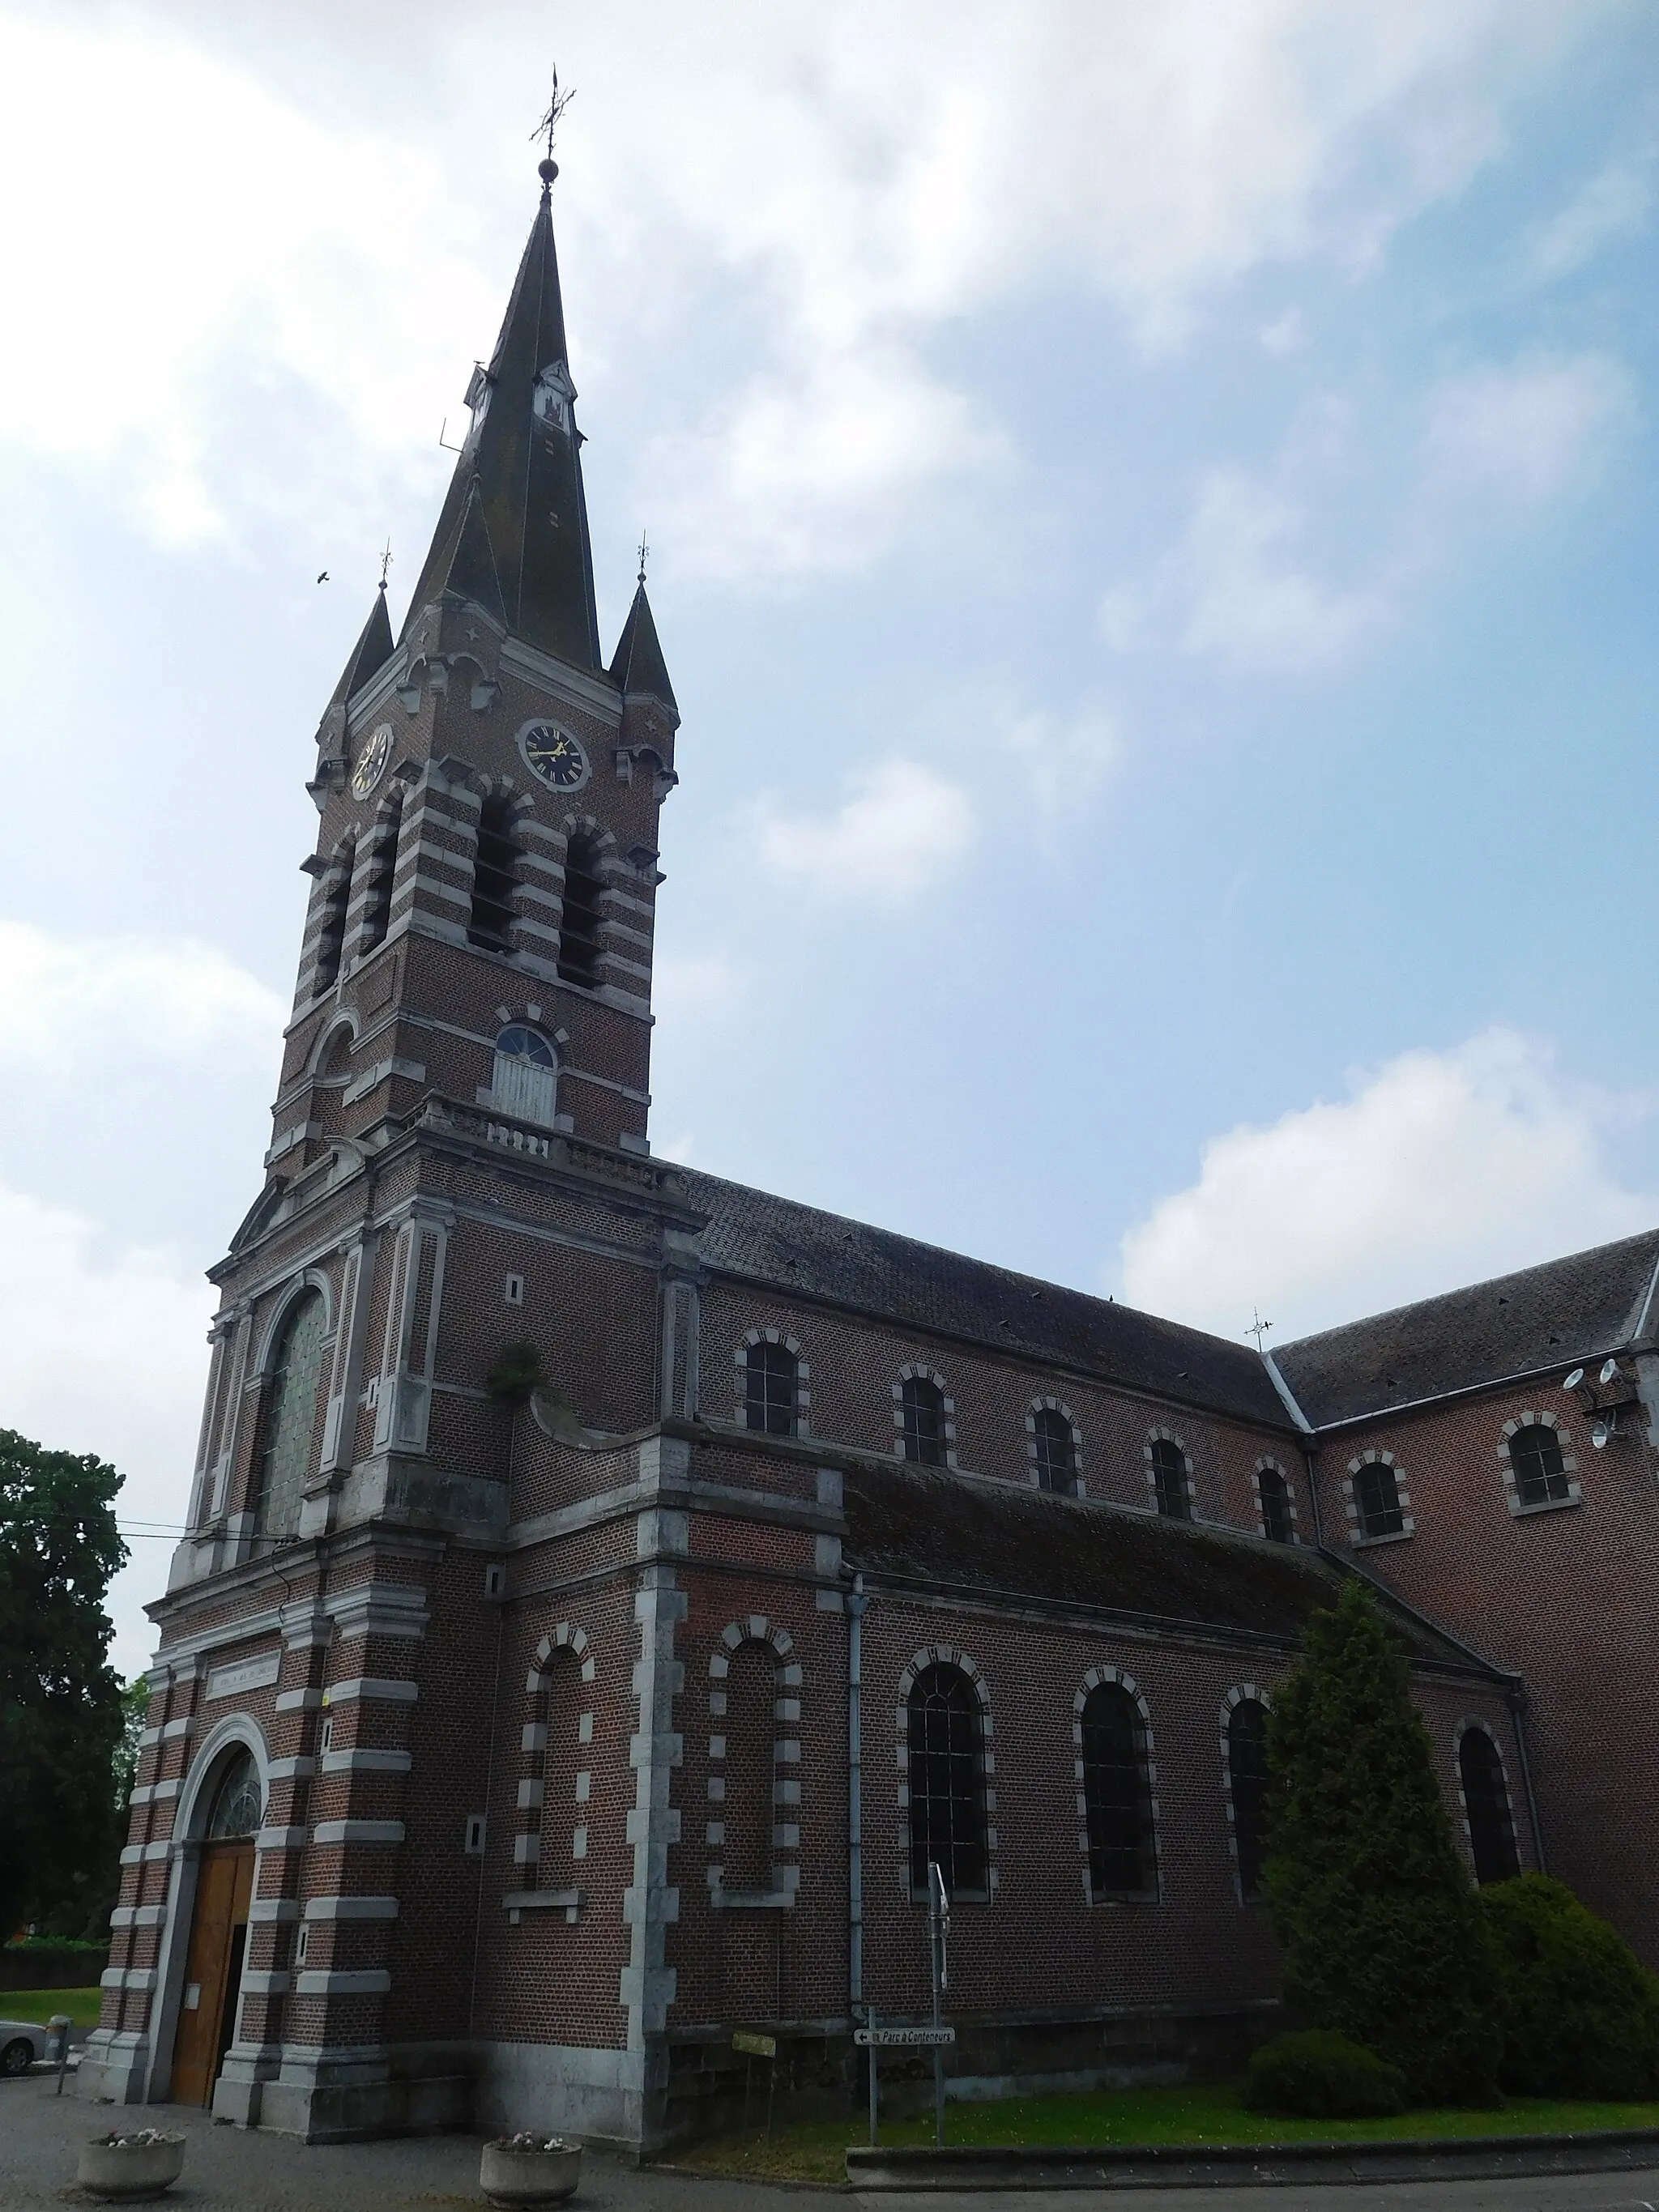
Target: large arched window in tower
<point>1117,1795</point>
<point>290,1417</point>
<point>921,1419</point>
<point>382,871</point>
<point>947,1798</point>
<point>495,877</point>
<point>1169,1478</point>
<point>1246,1780</point>
<point>1487,1801</point>
<point>1054,1450</point>
<point>527,1076</point>
<point>578,916</point>
<point>746,1849</point>
<point>336,899</point>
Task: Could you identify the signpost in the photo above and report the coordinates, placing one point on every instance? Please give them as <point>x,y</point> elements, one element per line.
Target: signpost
<point>873,2037</point>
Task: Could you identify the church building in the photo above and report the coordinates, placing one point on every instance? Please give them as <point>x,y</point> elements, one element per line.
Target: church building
<point>609,1588</point>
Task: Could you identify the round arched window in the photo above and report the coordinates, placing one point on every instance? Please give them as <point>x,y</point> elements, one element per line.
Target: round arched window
<point>526,1074</point>
<point>238,1803</point>
<point>290,1417</point>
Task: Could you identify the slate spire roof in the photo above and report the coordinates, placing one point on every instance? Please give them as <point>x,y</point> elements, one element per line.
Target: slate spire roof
<point>512,535</point>
<point>637,664</point>
<point>369,655</point>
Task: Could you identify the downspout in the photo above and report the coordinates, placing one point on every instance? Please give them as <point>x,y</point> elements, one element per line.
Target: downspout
<point>1518,1715</point>
<point>856,1603</point>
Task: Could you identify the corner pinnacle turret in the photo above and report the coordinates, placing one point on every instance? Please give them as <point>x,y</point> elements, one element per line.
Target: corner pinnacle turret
<point>512,535</point>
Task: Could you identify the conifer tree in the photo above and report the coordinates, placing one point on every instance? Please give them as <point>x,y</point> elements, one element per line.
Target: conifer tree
<point>1379,1922</point>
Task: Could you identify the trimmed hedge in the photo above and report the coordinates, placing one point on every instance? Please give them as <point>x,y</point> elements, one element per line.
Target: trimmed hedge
<point>1580,2011</point>
<point>1314,2074</point>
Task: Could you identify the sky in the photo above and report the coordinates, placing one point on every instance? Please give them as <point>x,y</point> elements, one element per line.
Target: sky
<point>1153,527</point>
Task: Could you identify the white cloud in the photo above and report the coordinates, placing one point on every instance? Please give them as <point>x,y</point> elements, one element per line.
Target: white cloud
<point>1439,1168</point>
<point>67,1004</point>
<point>903,827</point>
<point>1234,590</point>
<point>103,1351</point>
<point>822,191</point>
<point>1066,758</point>
<point>1528,431</point>
<point>1612,204</point>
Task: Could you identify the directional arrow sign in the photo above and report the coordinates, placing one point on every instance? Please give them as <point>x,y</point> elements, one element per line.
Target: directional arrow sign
<point>911,2037</point>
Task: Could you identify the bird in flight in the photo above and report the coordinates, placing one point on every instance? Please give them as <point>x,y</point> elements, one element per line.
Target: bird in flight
<point>323,579</point>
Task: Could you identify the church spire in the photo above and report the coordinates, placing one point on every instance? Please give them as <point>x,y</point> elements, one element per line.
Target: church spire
<point>512,535</point>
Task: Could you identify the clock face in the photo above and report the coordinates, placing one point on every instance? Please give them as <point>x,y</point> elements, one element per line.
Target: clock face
<point>553,754</point>
<point>371,761</point>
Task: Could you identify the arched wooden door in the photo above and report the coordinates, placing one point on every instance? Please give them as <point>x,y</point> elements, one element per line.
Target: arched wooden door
<point>218,1935</point>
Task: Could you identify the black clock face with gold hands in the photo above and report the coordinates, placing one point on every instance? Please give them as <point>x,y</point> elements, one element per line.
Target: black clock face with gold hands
<point>553,754</point>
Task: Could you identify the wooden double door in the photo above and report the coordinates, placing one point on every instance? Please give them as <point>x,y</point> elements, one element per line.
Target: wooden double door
<point>213,1970</point>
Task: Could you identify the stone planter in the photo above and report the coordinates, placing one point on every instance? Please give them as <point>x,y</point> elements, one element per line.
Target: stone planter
<point>127,2169</point>
<point>509,2173</point>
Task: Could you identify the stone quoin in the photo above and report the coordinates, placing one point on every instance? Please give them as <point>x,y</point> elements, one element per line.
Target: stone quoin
<point>505,1721</point>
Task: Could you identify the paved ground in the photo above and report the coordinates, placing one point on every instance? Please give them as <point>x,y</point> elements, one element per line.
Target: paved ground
<point>229,2170</point>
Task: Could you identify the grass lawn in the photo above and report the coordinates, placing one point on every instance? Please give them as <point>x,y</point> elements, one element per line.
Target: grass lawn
<point>1202,2117</point>
<point>38,2005</point>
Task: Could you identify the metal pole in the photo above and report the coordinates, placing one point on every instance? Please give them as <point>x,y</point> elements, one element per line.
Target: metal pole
<point>60,2022</point>
<point>870,2022</point>
<point>936,1946</point>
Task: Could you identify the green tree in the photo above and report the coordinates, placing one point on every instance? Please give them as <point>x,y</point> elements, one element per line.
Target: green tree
<point>1379,1922</point>
<point>1581,2011</point>
<point>60,1700</point>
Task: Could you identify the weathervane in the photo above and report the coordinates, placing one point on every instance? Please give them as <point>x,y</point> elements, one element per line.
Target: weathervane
<point>644,549</point>
<point>385,563</point>
<point>1258,1328</point>
<point>549,122</point>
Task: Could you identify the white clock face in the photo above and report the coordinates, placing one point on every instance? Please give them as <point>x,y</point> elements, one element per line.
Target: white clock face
<point>371,761</point>
<point>553,754</point>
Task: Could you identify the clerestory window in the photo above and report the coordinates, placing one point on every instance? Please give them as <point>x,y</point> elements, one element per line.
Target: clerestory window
<point>1169,1478</point>
<point>771,1384</point>
<point>1541,1472</point>
<point>1055,1451</point>
<point>1275,1494</point>
<point>1377,1498</point>
<point>921,1413</point>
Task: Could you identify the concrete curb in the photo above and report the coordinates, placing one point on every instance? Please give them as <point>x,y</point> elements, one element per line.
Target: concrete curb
<point>1179,2165</point>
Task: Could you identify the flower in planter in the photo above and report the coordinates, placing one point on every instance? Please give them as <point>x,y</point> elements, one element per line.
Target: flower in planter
<point>140,2139</point>
<point>527,2139</point>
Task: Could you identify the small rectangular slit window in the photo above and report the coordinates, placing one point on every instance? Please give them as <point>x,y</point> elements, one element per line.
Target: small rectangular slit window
<point>513,1291</point>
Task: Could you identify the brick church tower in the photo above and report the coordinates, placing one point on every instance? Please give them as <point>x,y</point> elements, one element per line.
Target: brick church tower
<point>459,1167</point>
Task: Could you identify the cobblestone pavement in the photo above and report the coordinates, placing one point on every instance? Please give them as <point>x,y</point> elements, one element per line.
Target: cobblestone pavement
<point>231,2170</point>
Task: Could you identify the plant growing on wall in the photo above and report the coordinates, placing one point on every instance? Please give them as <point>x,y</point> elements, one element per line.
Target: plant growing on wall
<point>1381,1927</point>
<point>516,1375</point>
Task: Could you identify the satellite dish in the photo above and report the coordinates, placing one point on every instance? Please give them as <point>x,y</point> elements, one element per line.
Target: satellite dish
<point>1609,1372</point>
<point>1574,1379</point>
<point>1599,1434</point>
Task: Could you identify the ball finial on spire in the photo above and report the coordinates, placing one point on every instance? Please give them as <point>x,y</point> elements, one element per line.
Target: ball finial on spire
<point>547,168</point>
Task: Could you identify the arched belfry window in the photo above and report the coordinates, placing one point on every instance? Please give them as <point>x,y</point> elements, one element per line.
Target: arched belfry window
<point>527,1076</point>
<point>947,1796</point>
<point>578,916</point>
<point>238,1802</point>
<point>1117,1795</point>
<point>382,870</point>
<point>1487,1801</point>
<point>290,1417</point>
<point>495,877</point>
<point>337,898</point>
<point>922,1417</point>
<point>1246,1780</point>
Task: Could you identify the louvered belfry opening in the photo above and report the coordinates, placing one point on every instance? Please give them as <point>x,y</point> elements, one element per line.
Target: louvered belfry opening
<point>495,878</point>
<point>331,944</point>
<point>579,921</point>
<point>383,867</point>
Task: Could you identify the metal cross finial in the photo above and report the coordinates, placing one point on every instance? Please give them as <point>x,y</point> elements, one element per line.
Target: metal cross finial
<point>1258,1328</point>
<point>385,563</point>
<point>556,107</point>
<point>644,550</point>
